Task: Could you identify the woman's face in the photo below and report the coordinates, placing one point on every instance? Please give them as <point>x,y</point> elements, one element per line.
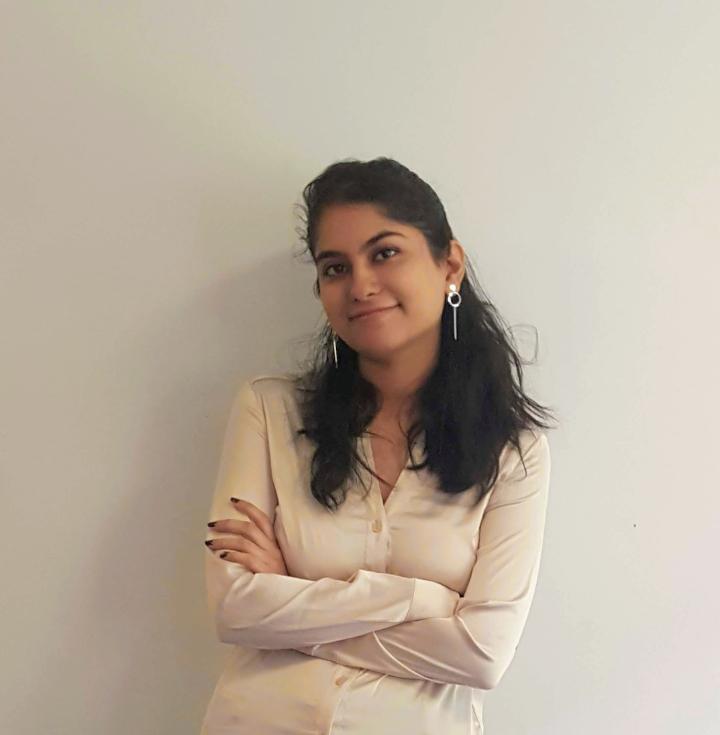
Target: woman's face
<point>394,272</point>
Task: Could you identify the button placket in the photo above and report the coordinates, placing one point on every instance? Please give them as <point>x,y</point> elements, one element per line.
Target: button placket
<point>375,485</point>
<point>377,540</point>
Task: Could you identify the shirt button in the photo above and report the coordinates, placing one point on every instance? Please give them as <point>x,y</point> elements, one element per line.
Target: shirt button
<point>377,526</point>
<point>340,680</point>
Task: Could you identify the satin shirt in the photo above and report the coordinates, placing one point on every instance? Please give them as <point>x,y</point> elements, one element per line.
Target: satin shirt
<point>395,618</point>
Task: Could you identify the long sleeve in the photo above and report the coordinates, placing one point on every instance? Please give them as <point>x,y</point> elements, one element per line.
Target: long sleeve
<point>476,644</point>
<point>273,611</point>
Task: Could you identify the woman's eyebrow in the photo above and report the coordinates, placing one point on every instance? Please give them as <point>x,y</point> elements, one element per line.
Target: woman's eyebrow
<point>331,253</point>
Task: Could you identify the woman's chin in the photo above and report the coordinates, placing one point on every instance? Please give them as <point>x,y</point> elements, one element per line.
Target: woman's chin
<point>377,345</point>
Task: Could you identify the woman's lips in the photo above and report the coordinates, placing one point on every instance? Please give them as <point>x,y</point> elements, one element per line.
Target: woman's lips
<point>373,314</point>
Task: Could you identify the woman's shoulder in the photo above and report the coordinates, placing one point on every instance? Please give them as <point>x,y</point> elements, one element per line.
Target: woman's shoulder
<point>271,381</point>
<point>271,386</point>
<point>533,442</point>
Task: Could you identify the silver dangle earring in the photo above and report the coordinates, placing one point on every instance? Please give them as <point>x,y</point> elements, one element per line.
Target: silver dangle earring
<point>454,292</point>
<point>334,339</point>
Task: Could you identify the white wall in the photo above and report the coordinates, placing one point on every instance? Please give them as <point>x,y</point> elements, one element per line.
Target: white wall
<point>150,157</point>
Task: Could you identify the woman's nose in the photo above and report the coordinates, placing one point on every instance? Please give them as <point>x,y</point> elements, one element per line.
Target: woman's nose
<point>363,283</point>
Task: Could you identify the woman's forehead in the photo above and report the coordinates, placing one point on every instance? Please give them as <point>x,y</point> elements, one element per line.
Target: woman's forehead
<point>346,226</point>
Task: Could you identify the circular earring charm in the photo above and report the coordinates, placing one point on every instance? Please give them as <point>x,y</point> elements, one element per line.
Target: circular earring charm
<point>454,304</point>
<point>454,292</point>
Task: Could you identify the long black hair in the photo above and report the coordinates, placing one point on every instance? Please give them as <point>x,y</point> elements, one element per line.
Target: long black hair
<point>470,405</point>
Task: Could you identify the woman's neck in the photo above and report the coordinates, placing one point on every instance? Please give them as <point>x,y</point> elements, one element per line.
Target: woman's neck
<point>397,385</point>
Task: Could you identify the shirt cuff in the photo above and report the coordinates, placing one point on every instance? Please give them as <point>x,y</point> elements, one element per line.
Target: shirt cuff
<point>432,600</point>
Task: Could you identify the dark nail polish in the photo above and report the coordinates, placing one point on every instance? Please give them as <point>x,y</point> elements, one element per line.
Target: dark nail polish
<point>212,523</point>
<point>235,500</point>
<point>224,554</point>
<point>207,543</point>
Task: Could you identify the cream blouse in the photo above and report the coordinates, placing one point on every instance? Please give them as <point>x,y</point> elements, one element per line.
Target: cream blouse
<point>395,618</point>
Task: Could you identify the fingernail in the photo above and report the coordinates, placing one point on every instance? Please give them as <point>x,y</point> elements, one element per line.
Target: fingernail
<point>235,500</point>
<point>223,555</point>
<point>212,523</point>
<point>207,543</point>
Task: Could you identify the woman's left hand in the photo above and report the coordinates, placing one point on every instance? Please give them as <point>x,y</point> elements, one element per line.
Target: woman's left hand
<point>253,543</point>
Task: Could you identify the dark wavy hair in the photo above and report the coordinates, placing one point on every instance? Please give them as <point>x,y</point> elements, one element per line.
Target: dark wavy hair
<point>471,404</point>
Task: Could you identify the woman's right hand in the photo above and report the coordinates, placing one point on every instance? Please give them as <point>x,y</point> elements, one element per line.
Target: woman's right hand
<point>251,543</point>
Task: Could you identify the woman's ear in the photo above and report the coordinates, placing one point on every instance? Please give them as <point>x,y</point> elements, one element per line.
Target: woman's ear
<point>456,263</point>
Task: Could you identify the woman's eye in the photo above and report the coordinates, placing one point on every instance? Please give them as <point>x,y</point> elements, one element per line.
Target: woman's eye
<point>384,250</point>
<point>327,273</point>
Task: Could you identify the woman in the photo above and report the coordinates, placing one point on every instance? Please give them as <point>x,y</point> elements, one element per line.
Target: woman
<point>393,608</point>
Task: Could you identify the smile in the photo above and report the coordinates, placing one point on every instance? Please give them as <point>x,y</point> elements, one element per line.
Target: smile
<point>373,314</point>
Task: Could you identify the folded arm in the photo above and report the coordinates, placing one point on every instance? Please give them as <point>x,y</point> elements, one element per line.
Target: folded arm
<point>475,645</point>
<point>274,611</point>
